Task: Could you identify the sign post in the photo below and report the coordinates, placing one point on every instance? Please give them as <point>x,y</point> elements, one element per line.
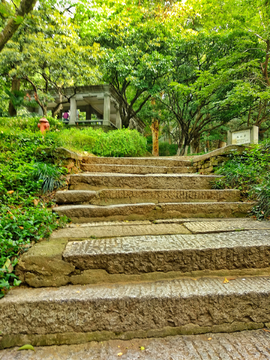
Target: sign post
<point>242,137</point>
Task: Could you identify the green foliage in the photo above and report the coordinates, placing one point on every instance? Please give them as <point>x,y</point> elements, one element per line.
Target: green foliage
<point>166,149</point>
<point>18,98</point>
<point>26,176</point>
<point>49,175</point>
<point>19,228</point>
<point>249,172</point>
<point>262,210</point>
<point>24,218</point>
<point>12,125</point>
<point>47,54</point>
<point>117,143</point>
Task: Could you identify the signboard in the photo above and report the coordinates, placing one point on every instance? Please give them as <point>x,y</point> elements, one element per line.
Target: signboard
<point>241,137</point>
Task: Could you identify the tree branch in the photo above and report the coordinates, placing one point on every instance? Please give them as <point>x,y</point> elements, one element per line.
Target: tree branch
<point>13,24</point>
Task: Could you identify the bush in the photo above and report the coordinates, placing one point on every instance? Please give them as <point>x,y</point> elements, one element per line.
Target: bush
<point>48,175</point>
<point>262,209</point>
<point>14,124</point>
<point>19,227</point>
<point>249,172</point>
<point>24,218</point>
<point>117,143</point>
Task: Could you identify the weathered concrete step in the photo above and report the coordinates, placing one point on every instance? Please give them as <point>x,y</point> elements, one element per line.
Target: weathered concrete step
<point>151,211</point>
<point>185,253</point>
<point>131,196</point>
<point>151,161</point>
<point>76,314</point>
<point>137,169</point>
<point>96,181</point>
<point>243,345</point>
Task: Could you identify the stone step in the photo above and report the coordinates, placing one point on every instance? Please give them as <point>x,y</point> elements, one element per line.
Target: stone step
<point>118,229</point>
<point>109,229</point>
<point>152,211</point>
<point>242,345</point>
<point>44,263</point>
<point>185,253</point>
<point>97,181</point>
<point>147,161</point>
<point>77,314</point>
<point>137,169</point>
<point>132,196</point>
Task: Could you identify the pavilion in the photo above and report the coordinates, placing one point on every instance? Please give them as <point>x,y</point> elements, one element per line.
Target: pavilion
<point>98,100</point>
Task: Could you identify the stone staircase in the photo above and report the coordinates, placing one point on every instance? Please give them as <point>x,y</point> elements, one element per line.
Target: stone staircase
<point>145,188</point>
<point>148,254</point>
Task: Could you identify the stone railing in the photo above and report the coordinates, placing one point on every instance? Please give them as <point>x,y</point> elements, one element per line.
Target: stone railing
<point>207,163</point>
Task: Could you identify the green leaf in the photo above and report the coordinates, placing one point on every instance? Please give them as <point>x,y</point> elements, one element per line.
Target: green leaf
<point>27,347</point>
<point>18,19</point>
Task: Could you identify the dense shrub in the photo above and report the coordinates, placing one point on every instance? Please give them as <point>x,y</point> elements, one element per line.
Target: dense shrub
<point>117,143</point>
<point>262,210</point>
<point>249,172</point>
<point>24,216</point>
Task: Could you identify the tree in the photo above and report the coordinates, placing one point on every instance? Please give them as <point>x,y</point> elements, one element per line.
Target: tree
<point>252,17</point>
<point>134,42</point>
<point>14,20</point>
<point>47,54</point>
<point>206,69</point>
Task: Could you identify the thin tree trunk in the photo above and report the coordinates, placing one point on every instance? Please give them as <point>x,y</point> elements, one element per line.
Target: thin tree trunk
<point>56,110</point>
<point>14,87</point>
<point>155,132</point>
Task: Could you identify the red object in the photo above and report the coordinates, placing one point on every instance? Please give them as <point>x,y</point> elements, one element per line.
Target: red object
<point>43,125</point>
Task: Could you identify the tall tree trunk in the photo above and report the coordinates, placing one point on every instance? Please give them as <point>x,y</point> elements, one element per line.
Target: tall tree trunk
<point>45,111</point>
<point>196,145</point>
<point>14,87</point>
<point>155,132</point>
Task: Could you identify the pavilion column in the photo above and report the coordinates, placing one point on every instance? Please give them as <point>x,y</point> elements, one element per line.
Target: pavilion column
<point>118,120</point>
<point>106,109</point>
<point>40,111</point>
<point>73,111</point>
<point>88,112</point>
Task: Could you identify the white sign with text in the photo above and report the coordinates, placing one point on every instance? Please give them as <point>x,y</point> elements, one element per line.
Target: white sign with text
<point>241,137</point>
